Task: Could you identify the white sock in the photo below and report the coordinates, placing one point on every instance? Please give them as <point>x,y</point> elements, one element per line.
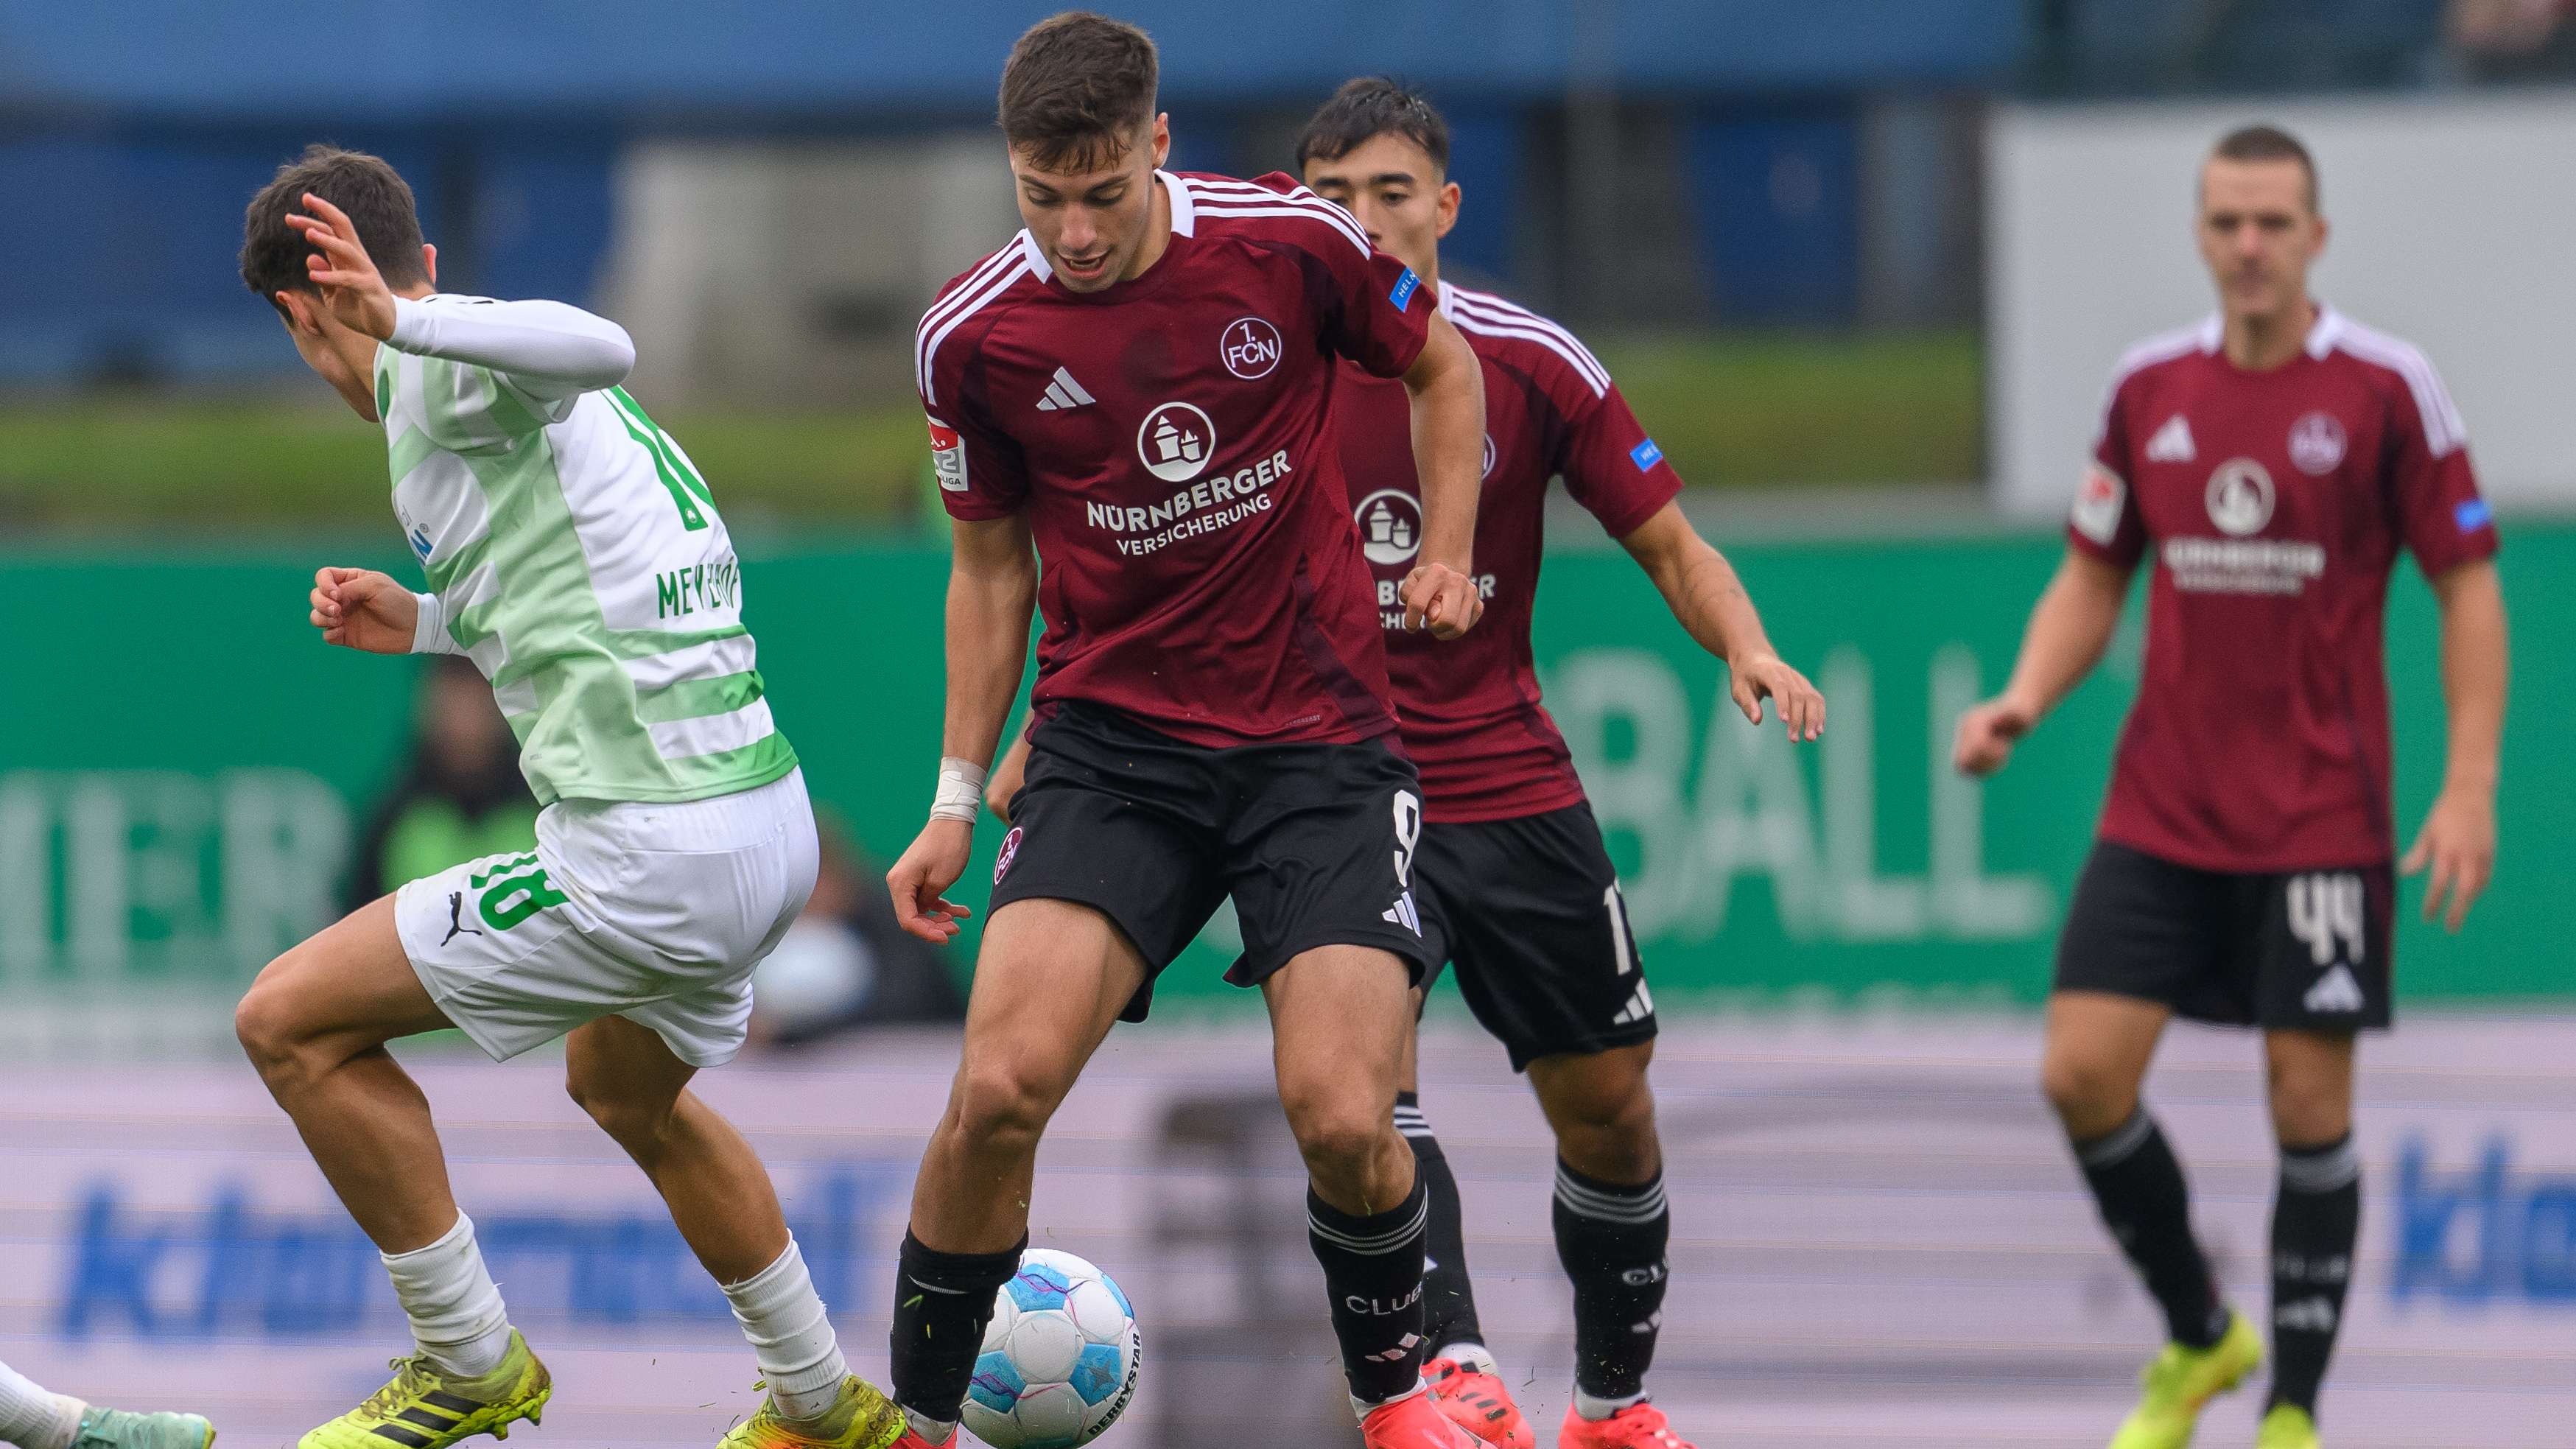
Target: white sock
<point>34,1419</point>
<point>1472,1355</point>
<point>455,1308</point>
<point>791,1336</point>
<point>927,1429</point>
<point>1588,1407</point>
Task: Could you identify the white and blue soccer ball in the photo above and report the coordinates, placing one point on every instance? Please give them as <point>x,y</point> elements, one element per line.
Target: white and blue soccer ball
<point>1060,1362</point>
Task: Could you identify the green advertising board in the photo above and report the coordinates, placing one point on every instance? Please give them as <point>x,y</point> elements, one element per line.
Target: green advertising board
<point>182,761</point>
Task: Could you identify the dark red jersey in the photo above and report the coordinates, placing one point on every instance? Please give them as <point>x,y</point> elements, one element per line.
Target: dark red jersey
<point>1469,707</point>
<point>2275,504</point>
<point>1168,439</point>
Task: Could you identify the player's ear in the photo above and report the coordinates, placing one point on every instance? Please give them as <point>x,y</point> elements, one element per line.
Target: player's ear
<point>296,309</point>
<point>1446,207</point>
<point>1162,138</point>
<point>429,263</point>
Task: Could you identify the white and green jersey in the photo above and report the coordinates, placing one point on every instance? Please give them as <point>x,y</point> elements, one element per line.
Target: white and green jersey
<point>573,551</point>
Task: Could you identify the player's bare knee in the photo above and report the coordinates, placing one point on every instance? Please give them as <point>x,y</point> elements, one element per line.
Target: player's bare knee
<point>2309,1114</point>
<point>265,1022</point>
<point>634,1123</point>
<point>1335,1132</point>
<point>2089,1097</point>
<point>1000,1103</point>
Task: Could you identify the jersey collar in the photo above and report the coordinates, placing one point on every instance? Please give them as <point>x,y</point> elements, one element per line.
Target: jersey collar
<point>2323,333</point>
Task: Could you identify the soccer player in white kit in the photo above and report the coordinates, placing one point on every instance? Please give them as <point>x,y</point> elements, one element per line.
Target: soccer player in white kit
<point>575,554</point>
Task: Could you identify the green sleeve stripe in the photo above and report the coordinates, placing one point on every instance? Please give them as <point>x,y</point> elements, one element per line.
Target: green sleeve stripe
<point>650,643</point>
<point>698,698</point>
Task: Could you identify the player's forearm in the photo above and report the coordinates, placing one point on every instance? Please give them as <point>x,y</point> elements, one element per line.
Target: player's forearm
<point>2475,670</point>
<point>558,348</point>
<point>1448,392</point>
<point>2069,631</point>
<point>1699,586</point>
<point>988,647</point>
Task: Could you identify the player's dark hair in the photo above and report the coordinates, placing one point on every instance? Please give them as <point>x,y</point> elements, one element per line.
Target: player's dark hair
<point>377,199</point>
<point>2268,143</point>
<point>1370,107</point>
<point>1077,91</point>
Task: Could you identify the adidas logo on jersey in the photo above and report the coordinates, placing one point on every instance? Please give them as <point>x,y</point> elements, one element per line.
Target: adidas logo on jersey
<point>1639,1007</point>
<point>1063,392</point>
<point>1403,914</point>
<point>2335,991</point>
<point>2172,442</point>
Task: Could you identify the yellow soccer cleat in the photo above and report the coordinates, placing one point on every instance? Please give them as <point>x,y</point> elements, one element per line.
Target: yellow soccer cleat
<point>425,1407</point>
<point>863,1419</point>
<point>2182,1380</point>
<point>2288,1427</point>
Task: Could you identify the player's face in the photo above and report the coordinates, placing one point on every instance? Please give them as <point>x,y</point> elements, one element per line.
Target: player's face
<point>1094,226</point>
<point>2258,235</point>
<point>1397,194</point>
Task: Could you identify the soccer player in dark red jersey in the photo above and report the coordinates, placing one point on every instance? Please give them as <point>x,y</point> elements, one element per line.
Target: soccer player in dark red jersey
<point>2274,460</point>
<point>1512,880</point>
<point>1140,385</point>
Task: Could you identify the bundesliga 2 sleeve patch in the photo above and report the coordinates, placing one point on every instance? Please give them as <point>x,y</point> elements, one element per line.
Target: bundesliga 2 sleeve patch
<point>948,456</point>
<point>2098,504</point>
<point>1405,287</point>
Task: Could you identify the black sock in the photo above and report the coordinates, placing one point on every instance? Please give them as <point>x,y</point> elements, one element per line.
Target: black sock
<point>1448,1299</point>
<point>2138,1184</point>
<point>942,1304</point>
<point>1373,1272</point>
<point>2316,1219</point>
<point>1611,1238</point>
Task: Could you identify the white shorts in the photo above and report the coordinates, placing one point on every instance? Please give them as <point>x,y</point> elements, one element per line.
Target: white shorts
<point>655,913</point>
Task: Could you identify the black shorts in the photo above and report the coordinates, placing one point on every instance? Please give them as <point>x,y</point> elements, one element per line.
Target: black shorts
<point>1530,911</point>
<point>1313,842</point>
<point>2305,950</point>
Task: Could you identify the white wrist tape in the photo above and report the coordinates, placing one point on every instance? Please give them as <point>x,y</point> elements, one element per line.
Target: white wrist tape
<point>961,791</point>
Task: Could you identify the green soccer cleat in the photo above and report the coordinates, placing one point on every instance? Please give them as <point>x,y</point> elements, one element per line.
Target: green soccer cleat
<point>425,1407</point>
<point>2288,1427</point>
<point>2181,1381</point>
<point>117,1429</point>
<point>863,1419</point>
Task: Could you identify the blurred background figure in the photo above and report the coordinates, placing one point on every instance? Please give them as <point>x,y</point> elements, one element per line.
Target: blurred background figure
<point>460,794</point>
<point>845,965</point>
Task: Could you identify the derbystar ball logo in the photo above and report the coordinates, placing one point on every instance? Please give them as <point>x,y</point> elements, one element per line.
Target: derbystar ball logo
<point>1176,442</point>
<point>2240,497</point>
<point>1251,348</point>
<point>1390,526</point>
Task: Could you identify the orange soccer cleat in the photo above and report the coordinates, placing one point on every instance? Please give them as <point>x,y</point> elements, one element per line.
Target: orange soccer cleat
<point>1477,1402</point>
<point>1638,1426</point>
<point>1413,1422</point>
